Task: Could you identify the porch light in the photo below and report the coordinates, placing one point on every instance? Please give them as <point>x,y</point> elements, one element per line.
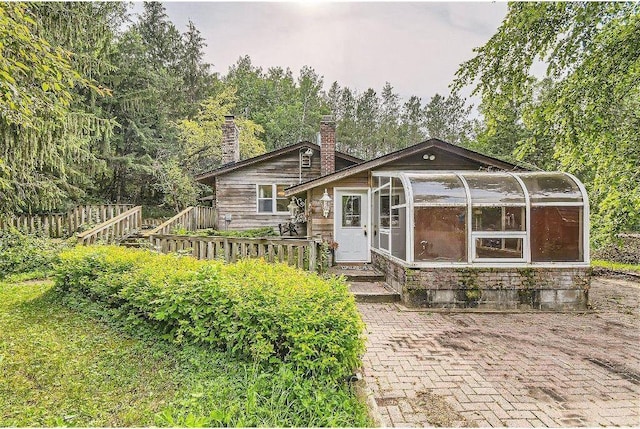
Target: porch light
<point>325,203</point>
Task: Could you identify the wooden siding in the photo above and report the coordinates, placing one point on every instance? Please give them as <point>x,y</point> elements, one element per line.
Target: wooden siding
<point>322,227</point>
<point>236,190</point>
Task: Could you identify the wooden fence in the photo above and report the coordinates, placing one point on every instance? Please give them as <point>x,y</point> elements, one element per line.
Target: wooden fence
<point>58,225</point>
<point>191,219</point>
<point>300,253</point>
<point>114,229</point>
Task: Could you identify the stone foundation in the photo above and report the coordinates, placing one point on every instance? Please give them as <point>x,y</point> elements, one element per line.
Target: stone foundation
<point>517,288</point>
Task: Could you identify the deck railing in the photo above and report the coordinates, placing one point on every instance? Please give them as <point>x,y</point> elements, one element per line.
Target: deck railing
<point>298,252</point>
<point>114,229</point>
<point>58,225</point>
<point>191,219</point>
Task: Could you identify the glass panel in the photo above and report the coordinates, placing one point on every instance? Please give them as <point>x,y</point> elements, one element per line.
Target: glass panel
<point>440,234</point>
<point>438,189</point>
<point>282,202</point>
<point>494,188</point>
<point>551,187</point>
<point>384,241</point>
<point>498,248</point>
<point>385,208</point>
<point>282,205</point>
<point>498,219</point>
<point>351,210</point>
<point>556,234</point>
<point>397,191</point>
<point>399,233</point>
<point>265,191</point>
<point>376,220</point>
<point>265,206</point>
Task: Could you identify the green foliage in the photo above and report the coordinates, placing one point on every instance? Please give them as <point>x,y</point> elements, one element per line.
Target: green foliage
<point>583,118</point>
<point>23,253</point>
<point>63,366</point>
<point>201,137</point>
<point>270,314</point>
<point>447,118</point>
<point>44,140</point>
<point>616,266</point>
<point>176,185</point>
<point>287,109</point>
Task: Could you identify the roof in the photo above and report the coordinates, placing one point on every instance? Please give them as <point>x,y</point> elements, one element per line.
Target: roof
<point>399,154</point>
<point>266,156</point>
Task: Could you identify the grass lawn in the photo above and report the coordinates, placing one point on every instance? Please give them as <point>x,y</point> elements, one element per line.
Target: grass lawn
<point>634,268</point>
<point>63,367</point>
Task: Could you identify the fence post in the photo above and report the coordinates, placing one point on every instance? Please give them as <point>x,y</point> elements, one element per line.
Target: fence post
<point>312,256</point>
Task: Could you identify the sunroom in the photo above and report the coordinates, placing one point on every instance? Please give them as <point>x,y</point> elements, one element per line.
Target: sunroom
<point>470,238</point>
<point>480,218</point>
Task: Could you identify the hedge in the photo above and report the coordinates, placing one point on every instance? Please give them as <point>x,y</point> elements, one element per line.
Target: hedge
<point>21,253</point>
<point>268,313</point>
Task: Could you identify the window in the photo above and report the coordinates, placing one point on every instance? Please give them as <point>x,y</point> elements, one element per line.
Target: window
<point>440,234</point>
<point>556,234</point>
<point>351,211</point>
<point>498,217</point>
<point>271,199</point>
<point>306,160</point>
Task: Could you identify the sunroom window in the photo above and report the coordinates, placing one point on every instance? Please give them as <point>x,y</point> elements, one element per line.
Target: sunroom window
<point>557,217</point>
<point>468,218</point>
<point>498,217</point>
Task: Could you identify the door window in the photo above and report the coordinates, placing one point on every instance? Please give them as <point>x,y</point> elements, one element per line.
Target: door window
<point>351,207</point>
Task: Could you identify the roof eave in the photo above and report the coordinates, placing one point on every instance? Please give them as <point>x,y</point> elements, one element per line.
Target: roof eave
<point>265,157</point>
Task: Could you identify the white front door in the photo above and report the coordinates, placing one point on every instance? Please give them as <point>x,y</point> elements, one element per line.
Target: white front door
<point>351,219</point>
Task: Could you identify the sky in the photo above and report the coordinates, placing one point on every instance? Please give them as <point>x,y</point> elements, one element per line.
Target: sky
<point>416,46</point>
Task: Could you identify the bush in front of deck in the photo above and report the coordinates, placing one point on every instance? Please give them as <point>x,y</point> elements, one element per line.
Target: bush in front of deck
<point>268,313</point>
<point>22,253</point>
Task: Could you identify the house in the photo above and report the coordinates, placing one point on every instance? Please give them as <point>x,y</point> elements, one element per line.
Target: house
<point>448,227</point>
<point>250,193</point>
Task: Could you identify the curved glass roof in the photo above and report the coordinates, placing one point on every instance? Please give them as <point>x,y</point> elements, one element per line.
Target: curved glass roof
<point>551,187</point>
<point>494,188</point>
<point>438,189</point>
<point>489,188</point>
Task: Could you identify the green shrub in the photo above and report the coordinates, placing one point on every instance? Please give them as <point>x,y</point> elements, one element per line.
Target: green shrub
<point>21,253</point>
<point>269,313</point>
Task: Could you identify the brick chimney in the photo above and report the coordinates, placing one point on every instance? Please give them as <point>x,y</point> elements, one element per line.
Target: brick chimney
<point>230,142</point>
<point>327,145</point>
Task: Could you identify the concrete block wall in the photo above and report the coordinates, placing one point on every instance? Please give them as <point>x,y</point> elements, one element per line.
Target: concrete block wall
<point>517,288</point>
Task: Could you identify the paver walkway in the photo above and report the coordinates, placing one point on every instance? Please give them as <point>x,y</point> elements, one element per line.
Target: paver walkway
<point>527,369</point>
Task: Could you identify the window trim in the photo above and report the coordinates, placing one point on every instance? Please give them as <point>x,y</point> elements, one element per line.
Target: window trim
<point>274,198</point>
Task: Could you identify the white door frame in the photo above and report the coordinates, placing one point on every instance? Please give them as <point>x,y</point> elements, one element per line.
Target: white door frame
<point>336,215</point>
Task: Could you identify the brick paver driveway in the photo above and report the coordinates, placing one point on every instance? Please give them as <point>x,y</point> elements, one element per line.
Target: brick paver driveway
<point>527,369</point>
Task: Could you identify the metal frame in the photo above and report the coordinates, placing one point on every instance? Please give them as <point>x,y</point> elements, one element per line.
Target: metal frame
<point>471,235</point>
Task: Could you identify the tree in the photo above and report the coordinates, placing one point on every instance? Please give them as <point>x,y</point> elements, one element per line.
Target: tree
<point>411,124</point>
<point>591,108</point>
<point>43,141</point>
<point>367,111</point>
<point>200,145</point>
<point>196,76</point>
<point>447,118</point>
<point>389,131</point>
